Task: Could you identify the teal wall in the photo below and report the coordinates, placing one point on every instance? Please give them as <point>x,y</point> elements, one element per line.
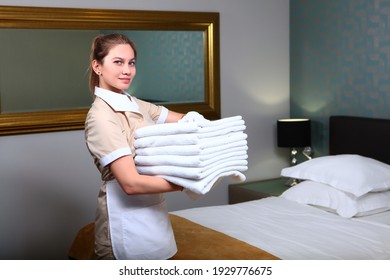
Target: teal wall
<point>44,69</point>
<point>170,65</point>
<point>339,62</point>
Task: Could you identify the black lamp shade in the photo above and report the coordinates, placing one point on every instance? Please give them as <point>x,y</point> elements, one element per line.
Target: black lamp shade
<point>294,133</point>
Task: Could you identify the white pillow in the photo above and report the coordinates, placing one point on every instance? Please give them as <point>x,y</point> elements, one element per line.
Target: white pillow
<point>355,174</point>
<point>333,200</point>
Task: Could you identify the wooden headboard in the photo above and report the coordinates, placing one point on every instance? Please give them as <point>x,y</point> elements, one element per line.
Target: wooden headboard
<point>368,137</point>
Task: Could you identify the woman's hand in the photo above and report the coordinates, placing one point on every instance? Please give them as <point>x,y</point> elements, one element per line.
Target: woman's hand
<point>193,117</point>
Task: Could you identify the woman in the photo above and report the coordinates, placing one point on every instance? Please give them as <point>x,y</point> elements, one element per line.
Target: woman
<point>132,220</point>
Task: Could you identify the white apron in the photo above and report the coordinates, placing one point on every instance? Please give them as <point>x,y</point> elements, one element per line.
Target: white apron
<point>140,227</point>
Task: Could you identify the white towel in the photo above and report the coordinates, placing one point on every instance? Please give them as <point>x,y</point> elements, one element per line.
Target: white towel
<point>195,155</point>
<point>191,150</point>
<point>166,140</point>
<point>227,124</point>
<point>209,153</point>
<point>166,129</point>
<point>188,139</point>
<point>230,138</point>
<point>179,150</point>
<point>208,132</point>
<point>215,125</point>
<point>237,145</point>
<point>223,121</point>
<point>190,161</point>
<point>195,173</point>
<point>196,188</point>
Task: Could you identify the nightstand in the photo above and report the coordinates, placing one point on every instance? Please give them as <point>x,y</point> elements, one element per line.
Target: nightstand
<point>256,189</point>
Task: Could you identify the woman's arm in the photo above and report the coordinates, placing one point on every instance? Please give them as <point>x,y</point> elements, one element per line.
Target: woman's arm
<point>174,117</point>
<point>132,182</point>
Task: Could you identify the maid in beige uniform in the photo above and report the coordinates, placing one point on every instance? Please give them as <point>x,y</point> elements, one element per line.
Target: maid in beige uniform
<point>132,221</point>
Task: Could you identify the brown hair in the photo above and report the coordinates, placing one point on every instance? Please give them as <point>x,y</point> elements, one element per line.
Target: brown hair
<point>101,46</point>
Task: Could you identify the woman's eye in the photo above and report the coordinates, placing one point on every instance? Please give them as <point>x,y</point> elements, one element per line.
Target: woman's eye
<point>118,62</point>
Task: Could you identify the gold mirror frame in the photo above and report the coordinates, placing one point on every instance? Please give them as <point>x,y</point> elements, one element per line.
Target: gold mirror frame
<point>99,19</point>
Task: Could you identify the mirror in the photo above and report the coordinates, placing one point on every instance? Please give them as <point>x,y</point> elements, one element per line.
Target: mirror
<point>45,55</point>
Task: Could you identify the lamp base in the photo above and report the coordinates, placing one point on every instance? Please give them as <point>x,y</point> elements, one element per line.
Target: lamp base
<point>307,152</point>
<point>292,182</point>
<point>293,156</point>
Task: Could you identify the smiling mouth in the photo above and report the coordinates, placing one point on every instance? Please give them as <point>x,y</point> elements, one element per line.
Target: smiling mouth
<point>126,80</point>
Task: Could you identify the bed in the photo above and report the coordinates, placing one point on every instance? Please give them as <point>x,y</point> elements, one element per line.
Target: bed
<point>339,210</point>
<point>287,229</point>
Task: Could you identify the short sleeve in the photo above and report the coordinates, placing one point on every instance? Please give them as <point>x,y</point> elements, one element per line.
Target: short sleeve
<point>157,113</point>
<point>106,140</point>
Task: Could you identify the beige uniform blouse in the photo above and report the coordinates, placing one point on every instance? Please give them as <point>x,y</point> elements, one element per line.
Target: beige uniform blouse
<point>109,131</point>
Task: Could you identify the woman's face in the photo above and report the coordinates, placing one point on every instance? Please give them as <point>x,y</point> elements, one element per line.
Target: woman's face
<point>118,68</point>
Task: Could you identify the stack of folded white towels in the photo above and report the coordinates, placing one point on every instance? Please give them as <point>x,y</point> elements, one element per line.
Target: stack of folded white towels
<point>195,155</point>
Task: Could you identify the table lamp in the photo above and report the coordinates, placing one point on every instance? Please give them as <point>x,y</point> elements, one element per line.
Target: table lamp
<point>293,134</point>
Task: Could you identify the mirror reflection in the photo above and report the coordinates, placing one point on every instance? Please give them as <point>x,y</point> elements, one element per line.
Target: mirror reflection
<point>46,69</point>
<point>44,57</point>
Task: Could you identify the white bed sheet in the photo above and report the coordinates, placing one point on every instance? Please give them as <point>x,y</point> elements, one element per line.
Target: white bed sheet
<point>294,231</point>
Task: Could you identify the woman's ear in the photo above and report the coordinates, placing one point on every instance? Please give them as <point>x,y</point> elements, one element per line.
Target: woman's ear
<point>96,67</point>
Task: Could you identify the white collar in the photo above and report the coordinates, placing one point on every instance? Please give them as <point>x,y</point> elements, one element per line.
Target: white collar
<point>118,101</point>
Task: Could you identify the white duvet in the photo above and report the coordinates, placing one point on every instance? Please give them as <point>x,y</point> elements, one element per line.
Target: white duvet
<point>294,231</point>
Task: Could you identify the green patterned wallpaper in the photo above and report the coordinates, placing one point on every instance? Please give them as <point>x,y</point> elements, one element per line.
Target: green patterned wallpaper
<point>170,65</point>
<point>339,61</point>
